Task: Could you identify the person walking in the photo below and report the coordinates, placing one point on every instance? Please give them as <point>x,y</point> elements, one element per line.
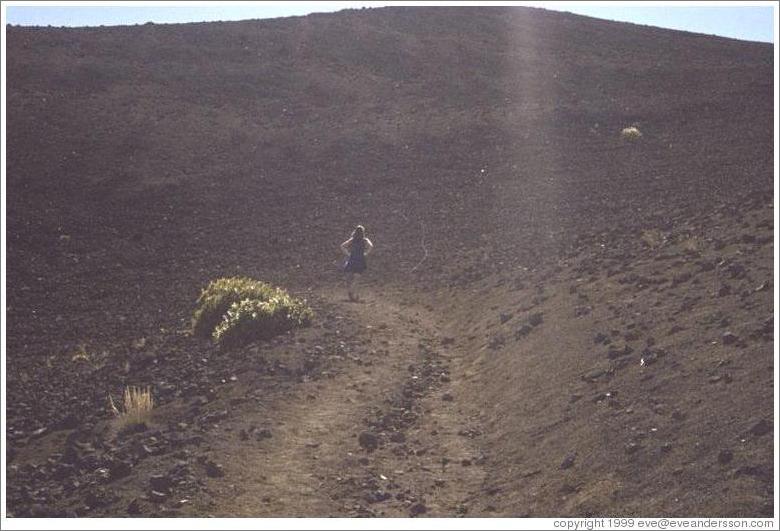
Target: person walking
<point>356,248</point>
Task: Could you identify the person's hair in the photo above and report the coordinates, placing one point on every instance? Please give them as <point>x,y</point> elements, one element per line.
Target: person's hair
<point>359,233</point>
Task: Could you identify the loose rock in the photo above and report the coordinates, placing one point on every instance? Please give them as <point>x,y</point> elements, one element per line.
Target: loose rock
<point>214,470</point>
<point>762,427</point>
<point>618,351</point>
<point>729,338</point>
<point>119,469</point>
<point>160,482</point>
<point>568,461</point>
<point>157,497</point>
<point>368,441</point>
<point>417,509</point>
<point>134,507</point>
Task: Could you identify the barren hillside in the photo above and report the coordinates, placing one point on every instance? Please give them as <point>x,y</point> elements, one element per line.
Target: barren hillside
<point>558,320</point>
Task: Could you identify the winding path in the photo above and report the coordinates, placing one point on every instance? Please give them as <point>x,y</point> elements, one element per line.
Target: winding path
<point>313,465</point>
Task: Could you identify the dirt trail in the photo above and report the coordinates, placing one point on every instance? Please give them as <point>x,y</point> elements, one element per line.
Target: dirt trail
<point>309,461</point>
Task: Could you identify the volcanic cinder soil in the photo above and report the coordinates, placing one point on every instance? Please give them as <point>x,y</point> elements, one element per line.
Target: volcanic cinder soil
<point>557,320</point>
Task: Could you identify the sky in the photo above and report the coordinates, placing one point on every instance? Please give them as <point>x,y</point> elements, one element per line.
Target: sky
<point>754,21</point>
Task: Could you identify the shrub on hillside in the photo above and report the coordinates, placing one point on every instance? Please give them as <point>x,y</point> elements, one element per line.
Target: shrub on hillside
<point>631,133</point>
<point>219,295</point>
<point>250,319</point>
<point>239,310</point>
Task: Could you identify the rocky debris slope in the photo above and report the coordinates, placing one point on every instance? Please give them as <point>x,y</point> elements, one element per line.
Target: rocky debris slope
<point>635,377</point>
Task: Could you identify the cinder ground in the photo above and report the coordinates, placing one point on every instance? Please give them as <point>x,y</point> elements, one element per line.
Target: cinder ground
<point>556,321</point>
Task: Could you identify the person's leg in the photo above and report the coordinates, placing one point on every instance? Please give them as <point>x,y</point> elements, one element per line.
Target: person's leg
<point>350,282</point>
<point>355,286</point>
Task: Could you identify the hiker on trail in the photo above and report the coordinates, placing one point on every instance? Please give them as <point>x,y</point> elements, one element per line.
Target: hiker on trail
<point>356,248</point>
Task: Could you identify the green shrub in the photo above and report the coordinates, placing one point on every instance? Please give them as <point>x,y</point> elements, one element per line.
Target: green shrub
<point>239,310</point>
<point>631,133</point>
<point>215,300</point>
<point>249,320</point>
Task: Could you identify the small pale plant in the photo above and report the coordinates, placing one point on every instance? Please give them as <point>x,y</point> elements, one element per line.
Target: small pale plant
<point>137,404</point>
<point>653,238</point>
<point>81,354</point>
<point>689,244</point>
<point>631,133</point>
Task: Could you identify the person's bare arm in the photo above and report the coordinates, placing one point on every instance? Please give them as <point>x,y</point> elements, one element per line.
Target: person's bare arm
<point>369,246</point>
<point>345,247</point>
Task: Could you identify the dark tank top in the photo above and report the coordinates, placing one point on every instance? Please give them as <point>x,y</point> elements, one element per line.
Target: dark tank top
<point>357,249</point>
<point>356,263</point>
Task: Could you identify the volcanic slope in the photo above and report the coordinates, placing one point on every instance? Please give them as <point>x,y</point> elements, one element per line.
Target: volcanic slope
<point>558,320</point>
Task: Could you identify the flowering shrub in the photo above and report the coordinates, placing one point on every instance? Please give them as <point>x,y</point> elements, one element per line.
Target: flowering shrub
<point>239,310</point>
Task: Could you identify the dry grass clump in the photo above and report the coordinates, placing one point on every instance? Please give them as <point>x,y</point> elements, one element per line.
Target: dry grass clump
<point>81,354</point>
<point>653,238</point>
<point>689,244</point>
<point>631,133</point>
<point>137,404</point>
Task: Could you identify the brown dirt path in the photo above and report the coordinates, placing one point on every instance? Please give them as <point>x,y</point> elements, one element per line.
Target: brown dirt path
<point>427,461</point>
